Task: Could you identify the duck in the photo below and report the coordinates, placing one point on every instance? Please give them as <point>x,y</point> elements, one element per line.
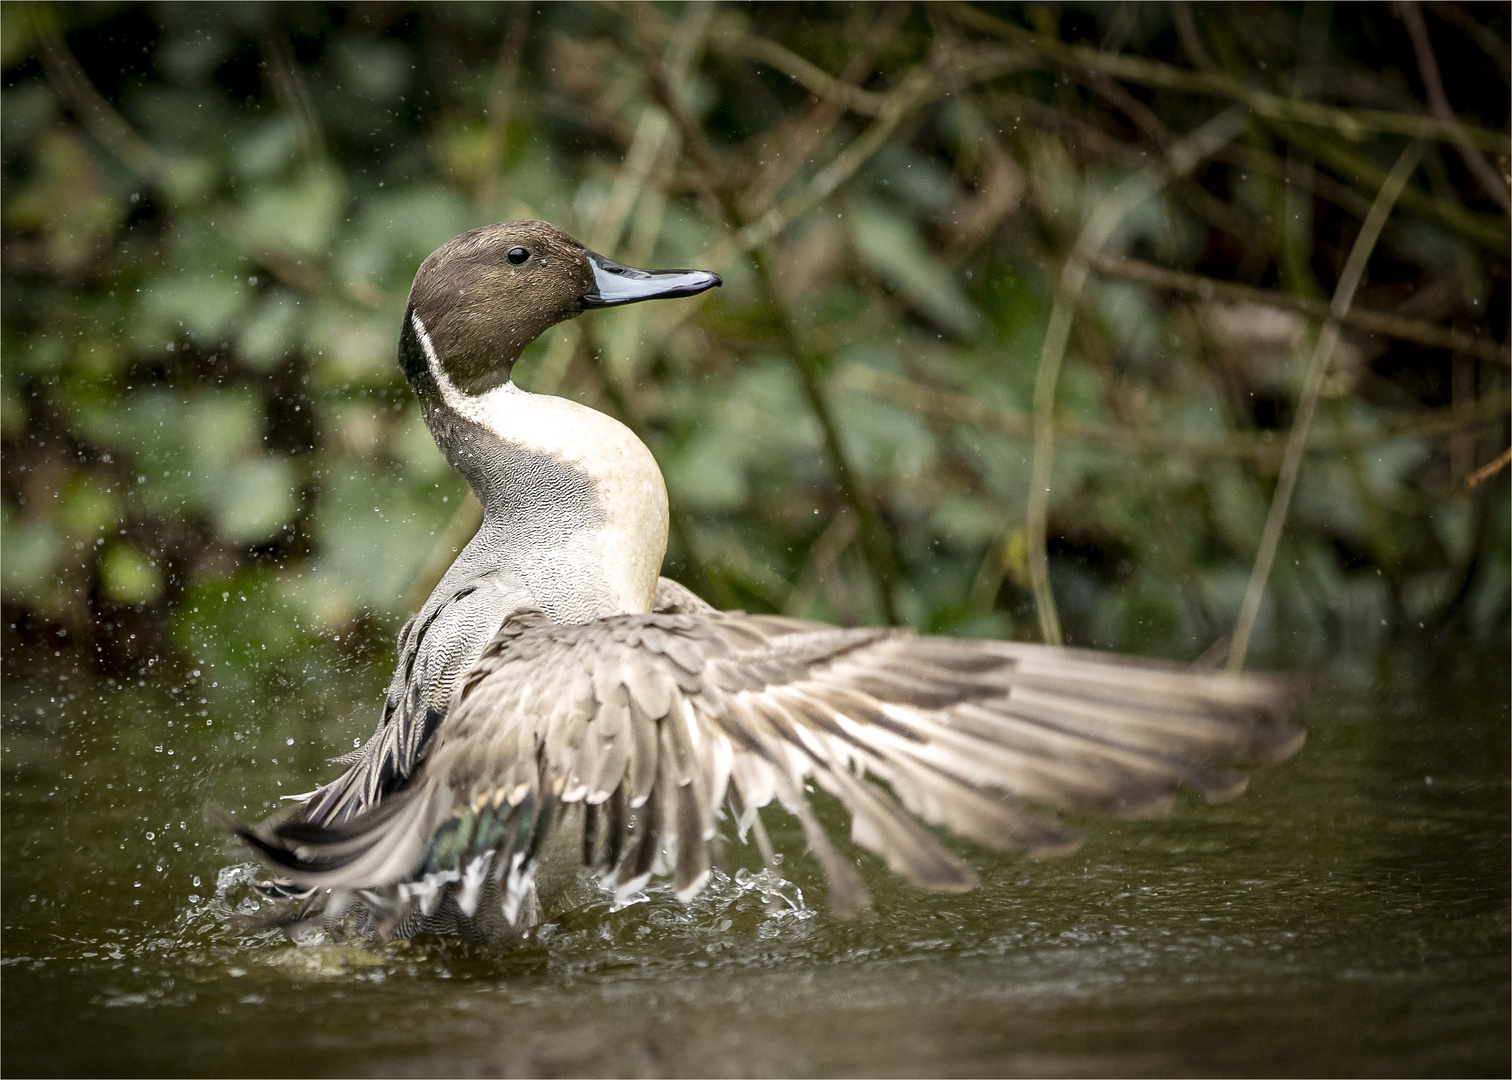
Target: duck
<point>557,701</point>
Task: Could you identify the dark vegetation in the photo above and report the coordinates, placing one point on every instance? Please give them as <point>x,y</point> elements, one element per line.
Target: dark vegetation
<point>212,214</point>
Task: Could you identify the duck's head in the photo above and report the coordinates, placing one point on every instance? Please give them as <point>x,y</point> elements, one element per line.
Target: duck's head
<point>490,292</point>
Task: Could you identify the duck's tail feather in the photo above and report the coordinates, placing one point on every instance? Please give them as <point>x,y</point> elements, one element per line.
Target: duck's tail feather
<point>401,860</point>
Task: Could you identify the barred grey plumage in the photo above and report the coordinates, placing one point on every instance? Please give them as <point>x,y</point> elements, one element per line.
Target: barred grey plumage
<point>553,675</point>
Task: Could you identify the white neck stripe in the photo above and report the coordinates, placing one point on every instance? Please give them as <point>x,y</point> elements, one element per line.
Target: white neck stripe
<point>487,409</point>
<point>453,397</point>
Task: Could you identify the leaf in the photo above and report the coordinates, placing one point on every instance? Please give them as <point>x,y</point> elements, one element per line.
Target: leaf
<point>90,506</point>
<point>28,551</point>
<point>889,245</point>
<point>353,347</point>
<point>372,67</point>
<point>256,499</point>
<point>205,307</point>
<point>398,229</point>
<point>182,446</point>
<point>268,148</point>
<point>67,201</point>
<point>298,217</point>
<point>127,575</point>
<point>374,532</point>
<point>271,332</point>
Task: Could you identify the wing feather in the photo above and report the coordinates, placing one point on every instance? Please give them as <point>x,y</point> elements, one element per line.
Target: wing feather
<point>655,721</point>
<point>609,758</point>
<point>644,755</point>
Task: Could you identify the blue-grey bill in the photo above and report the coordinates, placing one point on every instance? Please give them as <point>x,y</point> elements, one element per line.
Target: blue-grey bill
<point>614,284</point>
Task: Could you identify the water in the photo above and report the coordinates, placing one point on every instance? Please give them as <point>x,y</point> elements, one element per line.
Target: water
<point>1349,915</point>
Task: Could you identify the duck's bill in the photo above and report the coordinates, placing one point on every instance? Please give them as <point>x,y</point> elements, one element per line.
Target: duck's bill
<point>614,284</point>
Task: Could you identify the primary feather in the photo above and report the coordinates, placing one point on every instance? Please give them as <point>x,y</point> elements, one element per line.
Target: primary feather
<point>658,723</point>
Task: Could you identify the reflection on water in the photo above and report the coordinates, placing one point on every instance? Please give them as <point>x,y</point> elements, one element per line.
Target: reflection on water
<point>1348,915</point>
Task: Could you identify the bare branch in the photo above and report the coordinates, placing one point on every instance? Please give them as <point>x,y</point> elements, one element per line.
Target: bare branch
<point>1428,68</point>
<point>1259,448</point>
<point>1353,124</point>
<point>909,94</point>
<point>1291,464</point>
<point>876,541</point>
<point>1375,322</point>
<point>1486,229</point>
<point>500,102</point>
<point>1180,159</point>
<point>810,76</point>
<point>803,134</point>
<point>95,113</point>
<point>288,86</point>
<point>1490,469</point>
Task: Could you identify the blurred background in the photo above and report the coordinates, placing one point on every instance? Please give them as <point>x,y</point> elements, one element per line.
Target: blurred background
<point>1024,333</point>
<point>212,214</point>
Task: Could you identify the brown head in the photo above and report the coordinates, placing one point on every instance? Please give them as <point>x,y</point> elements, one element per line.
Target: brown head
<point>490,292</point>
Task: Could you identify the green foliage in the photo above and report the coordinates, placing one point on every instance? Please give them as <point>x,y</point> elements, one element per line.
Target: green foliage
<point>128,576</point>
<point>212,215</point>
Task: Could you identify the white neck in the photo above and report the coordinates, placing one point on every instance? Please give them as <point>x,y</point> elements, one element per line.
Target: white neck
<point>627,540</point>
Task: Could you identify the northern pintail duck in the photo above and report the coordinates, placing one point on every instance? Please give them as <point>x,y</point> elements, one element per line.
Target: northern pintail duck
<point>553,682</point>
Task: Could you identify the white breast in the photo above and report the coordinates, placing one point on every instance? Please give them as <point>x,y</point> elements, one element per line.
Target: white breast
<point>632,540</point>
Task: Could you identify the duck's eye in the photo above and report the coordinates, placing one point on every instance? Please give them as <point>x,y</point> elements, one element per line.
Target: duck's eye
<point>518,255</point>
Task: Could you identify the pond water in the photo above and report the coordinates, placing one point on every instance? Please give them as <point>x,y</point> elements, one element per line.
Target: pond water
<point>1349,915</point>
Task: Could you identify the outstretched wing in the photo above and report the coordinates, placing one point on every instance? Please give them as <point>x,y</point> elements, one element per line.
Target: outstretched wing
<point>656,723</point>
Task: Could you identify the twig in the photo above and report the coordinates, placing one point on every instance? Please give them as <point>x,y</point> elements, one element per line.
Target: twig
<point>809,75</point>
<point>500,102</point>
<point>653,134</point>
<point>289,89</point>
<point>1489,42</point>
<point>876,542</point>
<point>905,98</point>
<point>1375,322</point>
<point>909,94</point>
<point>1191,40</point>
<point>1491,232</point>
<point>1258,447</point>
<point>1487,229</point>
<point>797,140</point>
<point>1328,338</point>
<point>821,570</point>
<point>646,148</point>
<point>1320,184</point>
<point>1246,157</point>
<point>95,113</point>
<point>1201,202</point>
<point>1180,159</point>
<point>1490,469</point>
<point>965,64</point>
<point>1428,69</point>
<point>1130,406</point>
<point>1353,124</point>
<point>665,92</point>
